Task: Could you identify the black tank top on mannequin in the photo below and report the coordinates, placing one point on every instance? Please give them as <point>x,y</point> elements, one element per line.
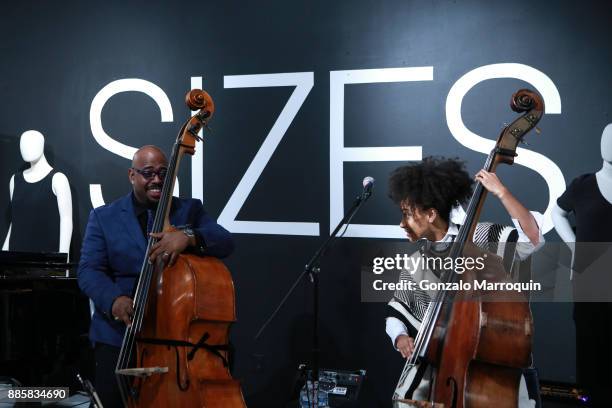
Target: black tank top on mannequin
<point>593,212</point>
<point>593,215</point>
<point>35,221</point>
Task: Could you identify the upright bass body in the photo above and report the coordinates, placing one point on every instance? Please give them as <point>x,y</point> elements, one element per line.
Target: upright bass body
<point>175,353</point>
<point>480,347</point>
<point>476,342</point>
<point>194,303</point>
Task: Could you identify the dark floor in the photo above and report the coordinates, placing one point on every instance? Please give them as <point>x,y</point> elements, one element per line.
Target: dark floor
<point>561,404</point>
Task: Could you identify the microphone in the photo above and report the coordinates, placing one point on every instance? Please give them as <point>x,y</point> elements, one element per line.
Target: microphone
<point>368,183</point>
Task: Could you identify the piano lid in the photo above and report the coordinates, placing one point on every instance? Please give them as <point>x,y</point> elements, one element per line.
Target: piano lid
<point>16,264</point>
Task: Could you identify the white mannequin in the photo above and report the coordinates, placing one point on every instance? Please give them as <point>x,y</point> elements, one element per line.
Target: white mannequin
<point>604,182</point>
<point>32,145</point>
<point>592,350</point>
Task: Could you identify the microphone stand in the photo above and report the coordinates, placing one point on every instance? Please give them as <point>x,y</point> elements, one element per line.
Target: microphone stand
<point>312,269</point>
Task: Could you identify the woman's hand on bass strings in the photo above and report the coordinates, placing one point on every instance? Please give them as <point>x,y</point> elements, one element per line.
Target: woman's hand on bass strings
<point>405,345</point>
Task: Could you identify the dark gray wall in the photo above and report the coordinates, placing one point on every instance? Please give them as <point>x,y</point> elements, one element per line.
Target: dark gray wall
<point>57,56</point>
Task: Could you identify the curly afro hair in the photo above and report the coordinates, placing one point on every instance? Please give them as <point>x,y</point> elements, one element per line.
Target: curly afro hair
<point>435,182</point>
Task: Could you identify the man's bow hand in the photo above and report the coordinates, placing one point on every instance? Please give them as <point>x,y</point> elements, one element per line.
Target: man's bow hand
<point>123,309</point>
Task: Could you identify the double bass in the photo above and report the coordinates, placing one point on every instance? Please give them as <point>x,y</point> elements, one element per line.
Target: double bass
<point>175,353</point>
<point>476,343</point>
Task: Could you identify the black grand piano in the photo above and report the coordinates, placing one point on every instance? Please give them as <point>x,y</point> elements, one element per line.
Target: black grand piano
<point>44,319</point>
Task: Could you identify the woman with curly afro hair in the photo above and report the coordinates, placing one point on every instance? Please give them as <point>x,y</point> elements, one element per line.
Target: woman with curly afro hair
<point>430,195</point>
<point>426,192</point>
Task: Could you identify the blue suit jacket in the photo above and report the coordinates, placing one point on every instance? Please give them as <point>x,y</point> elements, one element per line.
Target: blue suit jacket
<point>114,249</point>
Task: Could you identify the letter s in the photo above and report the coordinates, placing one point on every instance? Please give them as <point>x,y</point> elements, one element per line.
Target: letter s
<point>104,140</point>
<point>535,161</point>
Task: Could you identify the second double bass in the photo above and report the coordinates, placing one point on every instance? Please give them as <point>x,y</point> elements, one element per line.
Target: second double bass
<point>477,344</point>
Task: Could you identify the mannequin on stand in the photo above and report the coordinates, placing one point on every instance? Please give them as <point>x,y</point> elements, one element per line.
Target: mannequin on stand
<point>41,203</point>
<point>589,198</point>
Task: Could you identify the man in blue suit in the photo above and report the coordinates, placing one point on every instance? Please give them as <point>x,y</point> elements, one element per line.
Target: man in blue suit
<point>113,252</point>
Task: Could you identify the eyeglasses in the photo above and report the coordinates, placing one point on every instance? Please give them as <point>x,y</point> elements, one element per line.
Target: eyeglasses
<point>149,174</point>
